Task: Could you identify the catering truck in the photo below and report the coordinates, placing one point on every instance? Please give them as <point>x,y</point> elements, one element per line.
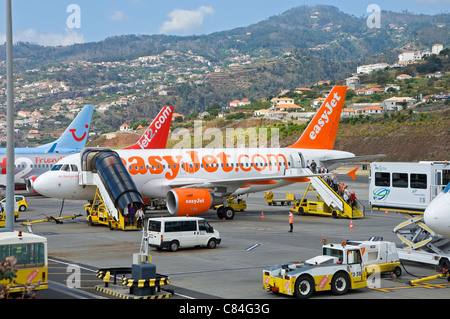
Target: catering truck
<point>406,186</point>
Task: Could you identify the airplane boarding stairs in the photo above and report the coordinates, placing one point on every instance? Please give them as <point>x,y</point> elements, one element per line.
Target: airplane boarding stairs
<point>336,206</point>
<point>115,188</point>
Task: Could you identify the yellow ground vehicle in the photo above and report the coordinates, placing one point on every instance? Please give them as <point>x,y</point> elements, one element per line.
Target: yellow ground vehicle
<point>3,213</point>
<point>339,268</point>
<point>233,205</point>
<point>273,202</point>
<point>327,202</point>
<point>96,213</point>
<point>29,252</point>
<point>20,200</point>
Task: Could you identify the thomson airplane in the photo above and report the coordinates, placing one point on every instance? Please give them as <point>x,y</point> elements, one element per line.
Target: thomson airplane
<point>72,140</point>
<point>193,180</point>
<point>28,166</point>
<point>437,213</point>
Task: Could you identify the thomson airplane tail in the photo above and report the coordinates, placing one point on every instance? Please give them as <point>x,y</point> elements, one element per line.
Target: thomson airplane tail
<point>75,136</point>
<point>321,131</point>
<point>155,137</point>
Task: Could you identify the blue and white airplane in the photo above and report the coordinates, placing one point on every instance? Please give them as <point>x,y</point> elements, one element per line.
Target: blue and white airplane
<point>72,140</point>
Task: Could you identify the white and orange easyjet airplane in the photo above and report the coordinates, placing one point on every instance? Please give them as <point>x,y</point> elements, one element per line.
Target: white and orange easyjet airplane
<point>193,180</point>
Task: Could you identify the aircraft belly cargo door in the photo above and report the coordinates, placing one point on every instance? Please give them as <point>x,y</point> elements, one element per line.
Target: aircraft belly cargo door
<point>114,183</point>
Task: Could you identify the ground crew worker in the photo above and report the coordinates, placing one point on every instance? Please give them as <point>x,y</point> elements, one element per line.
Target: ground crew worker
<point>291,222</point>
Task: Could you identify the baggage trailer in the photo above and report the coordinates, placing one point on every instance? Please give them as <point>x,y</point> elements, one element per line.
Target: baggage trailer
<point>273,202</point>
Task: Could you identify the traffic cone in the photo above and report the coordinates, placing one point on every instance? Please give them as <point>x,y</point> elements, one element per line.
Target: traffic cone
<point>351,223</point>
<point>385,212</point>
<point>262,215</point>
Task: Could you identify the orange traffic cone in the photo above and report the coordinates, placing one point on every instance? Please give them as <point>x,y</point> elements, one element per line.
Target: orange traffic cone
<point>351,223</point>
<point>386,212</point>
<point>262,215</point>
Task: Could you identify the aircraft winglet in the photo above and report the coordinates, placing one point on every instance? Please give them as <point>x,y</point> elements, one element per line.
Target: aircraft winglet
<point>352,173</point>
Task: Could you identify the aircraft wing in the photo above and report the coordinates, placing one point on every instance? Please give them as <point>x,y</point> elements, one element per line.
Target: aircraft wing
<point>336,162</point>
<point>300,175</point>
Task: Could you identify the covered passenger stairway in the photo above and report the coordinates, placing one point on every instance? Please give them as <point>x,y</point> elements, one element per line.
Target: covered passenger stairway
<point>328,202</point>
<point>116,190</point>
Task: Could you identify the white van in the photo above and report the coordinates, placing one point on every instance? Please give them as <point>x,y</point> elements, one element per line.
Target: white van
<point>175,232</point>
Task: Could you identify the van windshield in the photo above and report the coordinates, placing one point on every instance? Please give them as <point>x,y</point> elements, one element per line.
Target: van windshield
<point>204,225</point>
<point>154,225</point>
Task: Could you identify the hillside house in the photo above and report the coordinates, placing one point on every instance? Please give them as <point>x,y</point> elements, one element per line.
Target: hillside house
<point>261,112</point>
<point>373,109</point>
<point>437,48</point>
<point>237,103</point>
<point>397,103</point>
<point>125,127</point>
<point>348,112</point>
<point>403,77</point>
<point>318,102</point>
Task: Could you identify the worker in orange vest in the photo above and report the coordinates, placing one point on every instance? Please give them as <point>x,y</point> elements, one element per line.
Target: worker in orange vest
<point>291,222</point>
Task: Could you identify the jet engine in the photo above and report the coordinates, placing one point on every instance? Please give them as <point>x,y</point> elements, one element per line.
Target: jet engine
<point>188,201</point>
<point>29,184</point>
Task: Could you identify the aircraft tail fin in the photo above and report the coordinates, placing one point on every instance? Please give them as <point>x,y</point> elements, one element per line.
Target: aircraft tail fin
<point>75,136</point>
<point>155,137</point>
<point>321,131</point>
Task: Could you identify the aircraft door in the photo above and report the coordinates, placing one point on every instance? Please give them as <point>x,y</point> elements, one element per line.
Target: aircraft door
<point>297,160</point>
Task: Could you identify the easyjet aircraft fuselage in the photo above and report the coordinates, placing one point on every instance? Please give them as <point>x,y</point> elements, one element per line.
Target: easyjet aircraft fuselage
<point>156,172</point>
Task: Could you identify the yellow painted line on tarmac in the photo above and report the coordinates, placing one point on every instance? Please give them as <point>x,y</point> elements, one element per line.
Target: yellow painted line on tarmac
<point>423,285</point>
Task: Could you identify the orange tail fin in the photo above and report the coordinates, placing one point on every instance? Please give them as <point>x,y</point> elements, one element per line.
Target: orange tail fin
<point>155,137</point>
<point>321,131</point>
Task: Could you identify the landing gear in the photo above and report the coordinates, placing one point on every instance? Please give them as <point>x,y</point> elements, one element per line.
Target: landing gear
<point>225,213</point>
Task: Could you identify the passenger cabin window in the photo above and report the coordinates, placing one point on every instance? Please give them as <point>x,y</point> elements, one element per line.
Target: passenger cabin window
<point>419,181</point>
<point>382,179</point>
<point>181,226</point>
<point>400,180</point>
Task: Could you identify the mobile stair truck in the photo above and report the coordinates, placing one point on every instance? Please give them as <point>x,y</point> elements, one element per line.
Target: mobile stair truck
<point>115,188</point>
<point>327,203</point>
<point>408,188</point>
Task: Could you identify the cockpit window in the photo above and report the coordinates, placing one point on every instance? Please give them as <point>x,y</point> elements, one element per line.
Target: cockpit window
<point>65,168</point>
<point>74,168</point>
<point>56,167</point>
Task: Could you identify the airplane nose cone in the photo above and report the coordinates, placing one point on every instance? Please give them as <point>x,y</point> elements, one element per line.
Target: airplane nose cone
<point>437,215</point>
<point>39,185</point>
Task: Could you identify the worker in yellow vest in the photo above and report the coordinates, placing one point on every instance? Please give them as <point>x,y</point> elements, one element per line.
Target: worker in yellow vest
<point>291,222</point>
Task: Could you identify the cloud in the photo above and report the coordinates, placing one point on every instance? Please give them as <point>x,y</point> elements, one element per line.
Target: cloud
<point>118,15</point>
<point>48,39</point>
<point>186,21</point>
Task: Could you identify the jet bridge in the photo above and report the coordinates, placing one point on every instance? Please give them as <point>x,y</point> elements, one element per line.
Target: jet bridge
<point>115,188</point>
